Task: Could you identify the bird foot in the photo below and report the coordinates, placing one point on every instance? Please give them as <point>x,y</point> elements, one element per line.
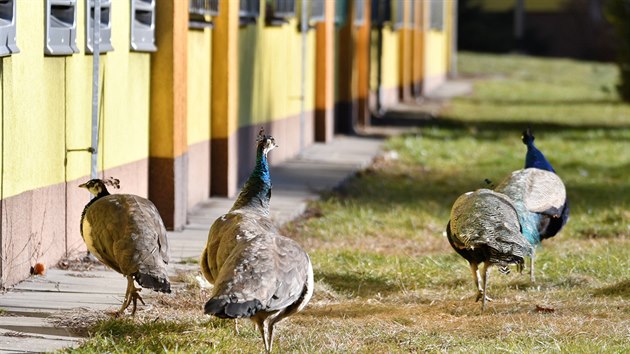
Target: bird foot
<point>133,297</point>
<point>480,296</point>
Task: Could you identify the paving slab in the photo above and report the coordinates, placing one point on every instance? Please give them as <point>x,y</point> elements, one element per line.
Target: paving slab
<point>27,310</point>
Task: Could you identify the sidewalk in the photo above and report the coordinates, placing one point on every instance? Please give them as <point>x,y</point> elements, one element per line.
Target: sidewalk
<point>28,309</point>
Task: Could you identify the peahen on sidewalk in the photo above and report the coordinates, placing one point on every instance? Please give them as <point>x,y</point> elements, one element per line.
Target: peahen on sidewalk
<point>126,233</point>
<point>256,272</point>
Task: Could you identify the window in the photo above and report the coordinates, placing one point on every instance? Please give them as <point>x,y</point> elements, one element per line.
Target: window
<point>105,29</point>
<point>61,27</point>
<point>341,12</point>
<point>143,25</point>
<point>359,12</point>
<point>201,12</point>
<point>7,28</point>
<point>436,20</point>
<point>279,11</point>
<point>381,12</point>
<point>249,10</point>
<point>318,11</point>
<point>399,11</point>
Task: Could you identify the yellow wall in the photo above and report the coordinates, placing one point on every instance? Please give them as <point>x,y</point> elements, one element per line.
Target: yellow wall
<point>33,108</point>
<point>199,91</point>
<point>270,72</point>
<point>47,104</point>
<point>391,61</point>
<point>436,53</point>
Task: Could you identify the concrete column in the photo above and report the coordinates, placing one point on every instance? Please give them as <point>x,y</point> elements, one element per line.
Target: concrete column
<point>418,48</point>
<point>345,110</point>
<point>224,124</point>
<point>325,76</point>
<point>363,67</point>
<point>405,43</point>
<point>168,137</point>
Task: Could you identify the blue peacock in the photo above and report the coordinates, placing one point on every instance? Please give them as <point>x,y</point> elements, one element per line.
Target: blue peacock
<point>539,196</point>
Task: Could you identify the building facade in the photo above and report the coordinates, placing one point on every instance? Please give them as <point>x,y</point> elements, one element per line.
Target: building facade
<point>177,94</point>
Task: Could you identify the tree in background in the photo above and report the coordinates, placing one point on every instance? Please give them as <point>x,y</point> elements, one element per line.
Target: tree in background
<point>618,13</point>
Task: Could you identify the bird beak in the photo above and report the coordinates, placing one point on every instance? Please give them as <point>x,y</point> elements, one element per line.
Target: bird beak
<point>84,185</point>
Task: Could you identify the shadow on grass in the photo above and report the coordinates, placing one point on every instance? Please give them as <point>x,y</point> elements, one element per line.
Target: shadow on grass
<point>621,288</point>
<point>490,128</point>
<point>348,311</point>
<point>357,285</point>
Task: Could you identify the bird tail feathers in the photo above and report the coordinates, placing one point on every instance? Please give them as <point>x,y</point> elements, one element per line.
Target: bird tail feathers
<point>152,282</point>
<point>221,308</point>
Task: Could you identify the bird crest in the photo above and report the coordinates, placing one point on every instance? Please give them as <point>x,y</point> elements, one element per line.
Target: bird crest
<point>267,141</point>
<point>528,136</point>
<point>113,182</point>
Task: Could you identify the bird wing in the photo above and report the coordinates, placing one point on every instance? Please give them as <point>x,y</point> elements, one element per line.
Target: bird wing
<point>269,269</point>
<point>224,235</point>
<point>128,235</point>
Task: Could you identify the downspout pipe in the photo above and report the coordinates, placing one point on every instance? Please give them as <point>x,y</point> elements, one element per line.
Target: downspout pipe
<point>96,49</point>
<point>304,29</point>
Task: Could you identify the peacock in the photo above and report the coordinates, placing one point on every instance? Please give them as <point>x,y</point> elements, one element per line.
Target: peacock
<point>484,228</point>
<point>256,272</point>
<point>534,158</point>
<point>126,233</point>
<point>539,197</point>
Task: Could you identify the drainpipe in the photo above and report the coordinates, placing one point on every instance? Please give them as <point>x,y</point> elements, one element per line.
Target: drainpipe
<point>379,58</point>
<point>96,39</point>
<point>304,29</point>
<point>453,63</point>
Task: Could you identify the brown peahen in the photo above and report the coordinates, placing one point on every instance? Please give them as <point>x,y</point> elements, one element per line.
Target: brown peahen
<point>126,233</point>
<point>256,272</point>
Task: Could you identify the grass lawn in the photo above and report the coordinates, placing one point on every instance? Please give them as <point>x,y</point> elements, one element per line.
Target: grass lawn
<point>386,278</point>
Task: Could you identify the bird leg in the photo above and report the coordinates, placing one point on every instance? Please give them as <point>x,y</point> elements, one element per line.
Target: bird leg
<point>131,295</point>
<point>261,324</point>
<point>236,326</point>
<point>475,273</point>
<point>486,266</point>
<point>270,324</point>
<point>532,277</point>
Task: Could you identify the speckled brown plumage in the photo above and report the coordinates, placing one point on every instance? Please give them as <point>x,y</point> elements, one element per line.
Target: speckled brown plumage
<point>256,272</point>
<point>127,234</point>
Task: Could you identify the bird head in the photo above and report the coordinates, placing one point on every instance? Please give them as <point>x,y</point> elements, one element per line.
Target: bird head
<point>266,142</point>
<point>527,137</point>
<point>98,186</point>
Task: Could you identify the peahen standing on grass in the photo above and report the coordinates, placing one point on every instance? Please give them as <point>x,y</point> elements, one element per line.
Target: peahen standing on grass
<point>539,197</point>
<point>126,233</point>
<point>256,272</point>
<point>484,228</point>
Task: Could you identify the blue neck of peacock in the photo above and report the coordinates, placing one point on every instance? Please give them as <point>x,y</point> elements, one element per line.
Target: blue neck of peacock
<point>535,158</point>
<point>256,192</point>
